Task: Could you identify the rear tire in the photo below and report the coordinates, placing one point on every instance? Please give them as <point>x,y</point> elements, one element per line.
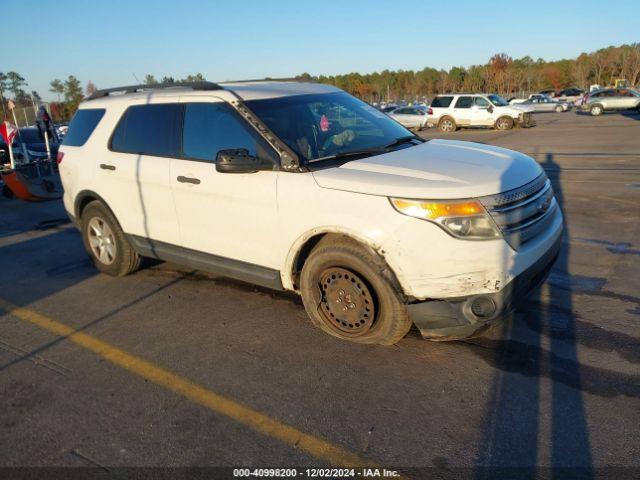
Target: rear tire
<point>559,109</point>
<point>596,110</point>
<point>349,292</point>
<point>447,125</point>
<point>106,243</point>
<point>504,123</point>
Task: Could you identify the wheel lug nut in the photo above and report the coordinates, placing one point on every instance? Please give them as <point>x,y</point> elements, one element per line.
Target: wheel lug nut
<point>352,305</point>
<point>341,292</point>
<point>339,300</point>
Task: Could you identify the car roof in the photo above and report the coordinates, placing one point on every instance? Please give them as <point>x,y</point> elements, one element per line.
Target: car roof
<point>246,90</point>
<point>254,90</point>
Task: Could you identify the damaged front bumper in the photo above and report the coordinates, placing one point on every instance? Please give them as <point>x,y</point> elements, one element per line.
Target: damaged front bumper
<point>464,317</point>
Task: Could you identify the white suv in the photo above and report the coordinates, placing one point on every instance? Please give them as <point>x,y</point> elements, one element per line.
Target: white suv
<point>302,187</point>
<point>450,112</point>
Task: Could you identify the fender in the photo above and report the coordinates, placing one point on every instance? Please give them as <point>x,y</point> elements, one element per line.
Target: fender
<point>84,194</point>
<point>287,272</point>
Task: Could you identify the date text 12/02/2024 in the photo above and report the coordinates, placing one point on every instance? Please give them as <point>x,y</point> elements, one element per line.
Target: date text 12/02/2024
<point>315,473</point>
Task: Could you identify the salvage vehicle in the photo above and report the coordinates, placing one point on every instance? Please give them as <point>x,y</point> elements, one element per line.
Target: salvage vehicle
<point>410,117</point>
<point>30,145</point>
<point>610,99</point>
<point>450,112</point>
<point>302,187</point>
<point>542,103</point>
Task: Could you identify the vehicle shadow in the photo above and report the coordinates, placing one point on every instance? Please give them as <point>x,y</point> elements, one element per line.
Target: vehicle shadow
<point>525,414</point>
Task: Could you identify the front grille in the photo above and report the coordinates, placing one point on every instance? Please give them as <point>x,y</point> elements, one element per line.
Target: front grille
<point>523,213</point>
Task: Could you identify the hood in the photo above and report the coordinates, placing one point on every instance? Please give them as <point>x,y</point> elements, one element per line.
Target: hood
<point>521,107</point>
<point>437,169</point>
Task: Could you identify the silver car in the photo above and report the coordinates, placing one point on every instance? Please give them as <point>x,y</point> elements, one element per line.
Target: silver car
<point>410,117</point>
<point>610,99</point>
<point>543,103</point>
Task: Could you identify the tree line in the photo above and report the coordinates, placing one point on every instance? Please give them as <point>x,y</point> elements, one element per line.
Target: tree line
<point>501,74</point>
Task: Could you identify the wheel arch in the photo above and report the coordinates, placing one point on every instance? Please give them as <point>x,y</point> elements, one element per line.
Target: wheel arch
<point>305,243</point>
<point>84,198</point>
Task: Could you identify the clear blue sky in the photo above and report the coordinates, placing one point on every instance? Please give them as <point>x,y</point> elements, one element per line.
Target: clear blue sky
<point>105,41</point>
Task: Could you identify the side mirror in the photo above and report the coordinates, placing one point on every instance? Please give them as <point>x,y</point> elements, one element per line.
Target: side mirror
<point>238,160</point>
<point>490,109</point>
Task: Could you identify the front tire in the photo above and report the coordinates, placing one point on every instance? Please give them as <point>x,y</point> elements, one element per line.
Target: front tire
<point>559,109</point>
<point>596,110</point>
<point>504,123</point>
<point>349,292</point>
<point>105,242</point>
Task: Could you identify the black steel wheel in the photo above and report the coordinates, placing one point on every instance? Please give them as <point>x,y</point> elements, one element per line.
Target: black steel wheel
<point>350,292</point>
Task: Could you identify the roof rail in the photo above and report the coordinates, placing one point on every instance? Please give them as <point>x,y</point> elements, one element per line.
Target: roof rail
<point>267,79</point>
<point>158,86</point>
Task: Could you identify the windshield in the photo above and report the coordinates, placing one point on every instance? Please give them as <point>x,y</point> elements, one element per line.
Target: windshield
<point>325,125</point>
<point>498,101</point>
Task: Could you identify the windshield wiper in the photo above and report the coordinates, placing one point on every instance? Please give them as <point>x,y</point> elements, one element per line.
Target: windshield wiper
<point>354,153</point>
<point>368,151</point>
<point>401,140</point>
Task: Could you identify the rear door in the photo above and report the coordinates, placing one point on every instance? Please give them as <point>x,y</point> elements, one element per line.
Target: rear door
<point>462,110</point>
<point>230,215</point>
<point>134,175</point>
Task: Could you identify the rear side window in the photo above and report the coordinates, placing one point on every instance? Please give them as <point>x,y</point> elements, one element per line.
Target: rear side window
<point>464,102</point>
<point>149,130</point>
<point>82,125</point>
<point>441,102</point>
<point>211,127</point>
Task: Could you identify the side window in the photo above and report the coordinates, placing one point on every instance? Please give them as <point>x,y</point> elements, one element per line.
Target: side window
<point>464,102</point>
<point>441,102</point>
<point>149,130</point>
<point>482,102</point>
<point>82,125</point>
<point>211,127</point>
<point>400,111</point>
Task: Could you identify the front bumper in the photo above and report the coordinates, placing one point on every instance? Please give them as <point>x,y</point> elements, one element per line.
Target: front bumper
<point>526,120</point>
<point>463,317</point>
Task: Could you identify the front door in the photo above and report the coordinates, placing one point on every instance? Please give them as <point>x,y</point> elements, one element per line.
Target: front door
<point>230,215</point>
<point>479,114</point>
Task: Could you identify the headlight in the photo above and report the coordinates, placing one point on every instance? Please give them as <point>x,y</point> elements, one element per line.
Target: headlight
<point>463,219</point>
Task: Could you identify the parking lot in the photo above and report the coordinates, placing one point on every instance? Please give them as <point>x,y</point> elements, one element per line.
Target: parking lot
<point>175,367</point>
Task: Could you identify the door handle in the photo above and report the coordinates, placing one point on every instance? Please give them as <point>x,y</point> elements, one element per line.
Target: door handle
<point>104,166</point>
<point>195,181</point>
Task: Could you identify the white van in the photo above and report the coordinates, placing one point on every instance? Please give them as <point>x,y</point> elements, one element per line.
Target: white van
<point>302,187</point>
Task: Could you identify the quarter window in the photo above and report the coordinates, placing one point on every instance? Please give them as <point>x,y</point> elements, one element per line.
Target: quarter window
<point>82,126</point>
<point>481,102</point>
<point>149,130</point>
<point>441,102</point>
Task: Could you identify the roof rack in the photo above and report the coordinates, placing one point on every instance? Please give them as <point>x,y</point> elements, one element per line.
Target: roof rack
<point>158,86</point>
<point>287,79</point>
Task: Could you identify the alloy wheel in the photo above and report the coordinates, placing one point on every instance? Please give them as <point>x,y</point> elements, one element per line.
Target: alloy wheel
<point>101,240</point>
